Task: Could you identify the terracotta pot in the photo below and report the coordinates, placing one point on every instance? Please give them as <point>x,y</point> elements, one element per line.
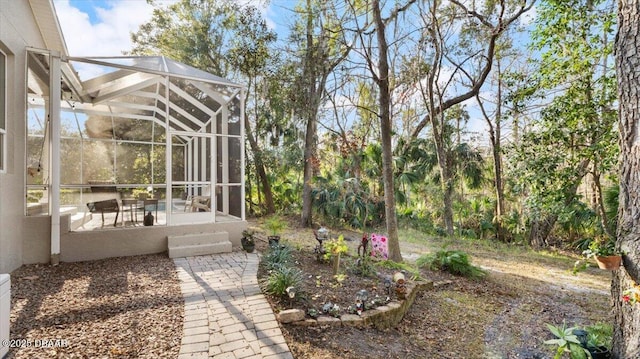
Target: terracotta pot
<point>398,278</point>
<point>609,262</point>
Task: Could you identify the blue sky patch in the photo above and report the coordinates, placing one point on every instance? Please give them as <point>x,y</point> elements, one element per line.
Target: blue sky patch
<point>90,6</point>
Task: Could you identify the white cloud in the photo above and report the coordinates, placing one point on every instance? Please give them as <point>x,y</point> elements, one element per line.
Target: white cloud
<point>110,35</point>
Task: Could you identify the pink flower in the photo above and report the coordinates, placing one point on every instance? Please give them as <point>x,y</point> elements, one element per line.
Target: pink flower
<point>626,298</point>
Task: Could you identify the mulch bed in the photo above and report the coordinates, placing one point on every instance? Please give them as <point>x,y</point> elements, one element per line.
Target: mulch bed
<point>501,316</point>
<point>128,307</point>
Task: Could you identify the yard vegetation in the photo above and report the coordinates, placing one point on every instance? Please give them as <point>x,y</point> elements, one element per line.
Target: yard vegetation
<point>500,312</point>
<point>492,120</point>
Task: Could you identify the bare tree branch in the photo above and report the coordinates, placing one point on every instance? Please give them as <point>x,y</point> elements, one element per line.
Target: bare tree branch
<point>496,31</point>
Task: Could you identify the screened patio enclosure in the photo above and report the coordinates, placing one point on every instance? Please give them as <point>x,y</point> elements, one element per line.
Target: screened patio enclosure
<point>152,134</point>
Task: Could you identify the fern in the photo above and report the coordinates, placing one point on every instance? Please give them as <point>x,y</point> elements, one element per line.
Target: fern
<point>454,262</point>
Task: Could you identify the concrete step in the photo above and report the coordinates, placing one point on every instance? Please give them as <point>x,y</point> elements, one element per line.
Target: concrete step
<point>197,244</point>
<point>71,210</point>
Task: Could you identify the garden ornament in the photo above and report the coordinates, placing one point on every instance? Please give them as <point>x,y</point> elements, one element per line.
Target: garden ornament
<point>363,245</point>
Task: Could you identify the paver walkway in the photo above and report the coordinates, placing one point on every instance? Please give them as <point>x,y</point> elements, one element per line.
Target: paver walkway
<point>225,314</point>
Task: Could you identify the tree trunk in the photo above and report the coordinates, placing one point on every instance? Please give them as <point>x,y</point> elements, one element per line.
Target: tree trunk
<point>248,185</point>
<point>446,182</point>
<point>262,174</point>
<point>626,334</point>
<point>306,219</point>
<point>499,188</point>
<point>257,157</point>
<point>447,198</point>
<point>385,135</point>
<point>309,158</point>
<point>604,220</point>
<point>497,160</point>
<point>540,230</point>
<point>495,135</point>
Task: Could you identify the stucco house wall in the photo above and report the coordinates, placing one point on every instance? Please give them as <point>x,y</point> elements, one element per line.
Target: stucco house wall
<point>18,29</point>
<point>32,24</point>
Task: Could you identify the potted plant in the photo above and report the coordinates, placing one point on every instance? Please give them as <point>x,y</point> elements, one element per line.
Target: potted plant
<point>566,340</point>
<point>248,242</point>
<point>598,341</point>
<point>605,254</point>
<point>274,224</point>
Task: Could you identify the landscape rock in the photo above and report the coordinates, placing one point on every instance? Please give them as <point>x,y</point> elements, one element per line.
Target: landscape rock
<point>290,315</point>
<point>352,320</point>
<point>327,320</point>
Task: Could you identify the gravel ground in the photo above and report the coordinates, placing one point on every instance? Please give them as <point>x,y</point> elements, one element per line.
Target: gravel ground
<point>129,307</point>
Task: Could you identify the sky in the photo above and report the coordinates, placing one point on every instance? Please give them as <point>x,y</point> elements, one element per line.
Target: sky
<point>99,27</point>
<point>103,27</point>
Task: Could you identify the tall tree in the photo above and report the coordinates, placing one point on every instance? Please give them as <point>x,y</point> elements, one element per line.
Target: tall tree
<point>323,49</point>
<point>382,80</point>
<point>193,32</point>
<point>575,134</point>
<point>372,34</point>
<point>249,53</point>
<point>495,111</point>
<point>626,336</point>
<point>456,69</point>
<point>494,124</point>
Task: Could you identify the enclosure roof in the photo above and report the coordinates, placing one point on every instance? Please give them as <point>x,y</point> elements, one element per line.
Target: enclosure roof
<point>122,96</point>
<point>160,65</point>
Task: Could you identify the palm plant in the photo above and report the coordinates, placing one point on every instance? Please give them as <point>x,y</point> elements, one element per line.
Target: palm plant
<point>452,261</point>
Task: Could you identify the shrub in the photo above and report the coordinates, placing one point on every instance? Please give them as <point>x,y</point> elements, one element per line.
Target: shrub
<point>454,262</point>
<point>599,335</point>
<point>364,267</point>
<point>334,249</point>
<point>567,342</point>
<point>277,256</point>
<point>275,225</point>
<point>281,278</point>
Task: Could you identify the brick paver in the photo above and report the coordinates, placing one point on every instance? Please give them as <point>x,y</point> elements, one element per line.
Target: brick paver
<point>226,315</point>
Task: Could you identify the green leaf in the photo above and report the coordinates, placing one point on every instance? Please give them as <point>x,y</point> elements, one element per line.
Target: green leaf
<point>578,352</point>
<point>558,342</point>
<point>555,331</point>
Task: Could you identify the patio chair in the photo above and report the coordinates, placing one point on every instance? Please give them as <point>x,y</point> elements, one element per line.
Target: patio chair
<point>201,204</point>
<point>109,206</point>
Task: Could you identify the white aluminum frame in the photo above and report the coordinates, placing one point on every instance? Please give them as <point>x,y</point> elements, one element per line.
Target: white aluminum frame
<point>89,97</point>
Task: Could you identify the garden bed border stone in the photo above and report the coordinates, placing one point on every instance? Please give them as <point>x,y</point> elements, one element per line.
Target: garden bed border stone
<point>383,317</point>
